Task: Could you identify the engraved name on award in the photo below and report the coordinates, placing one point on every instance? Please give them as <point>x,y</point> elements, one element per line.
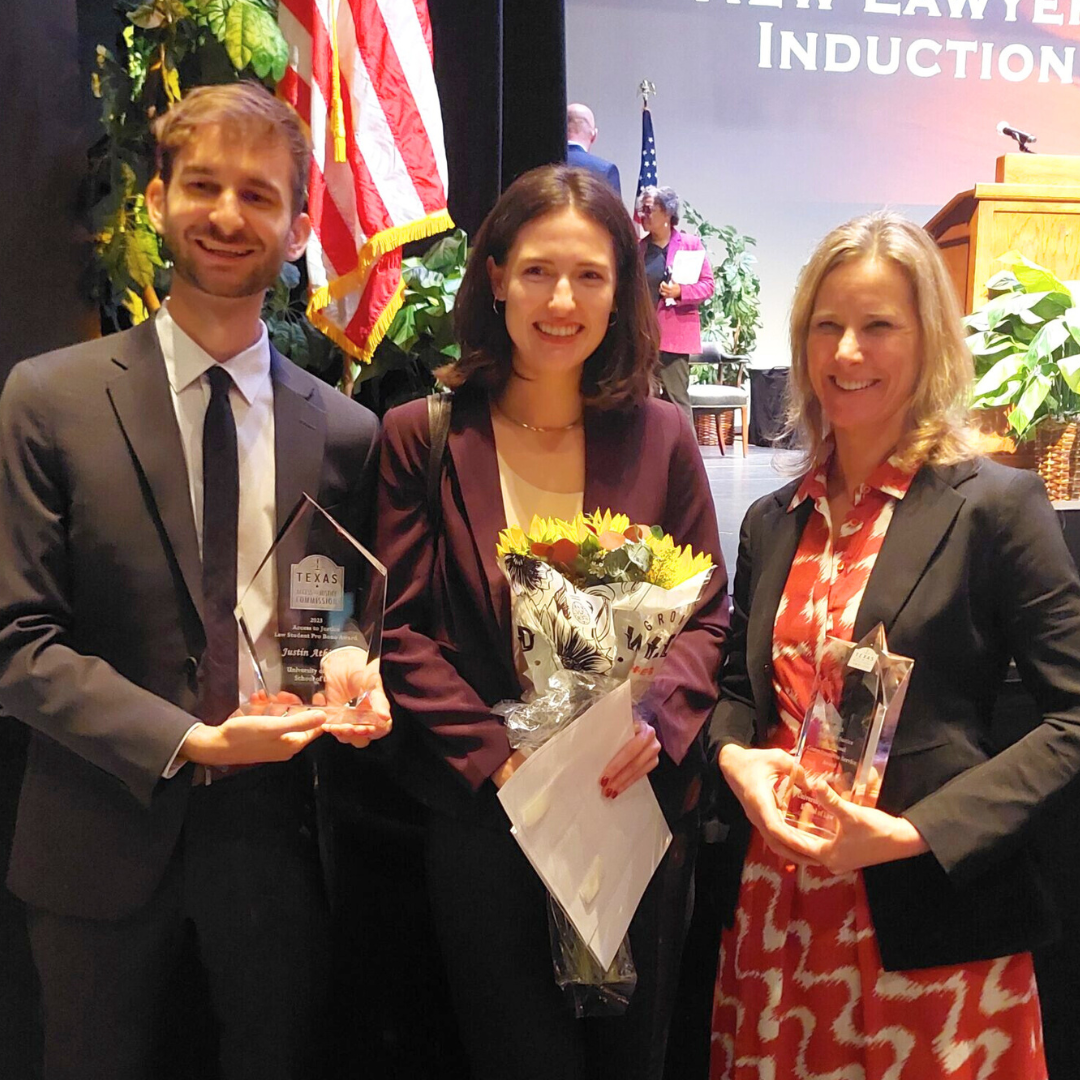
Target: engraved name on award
<point>317,589</point>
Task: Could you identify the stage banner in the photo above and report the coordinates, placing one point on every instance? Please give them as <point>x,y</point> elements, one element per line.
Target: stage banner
<point>360,75</point>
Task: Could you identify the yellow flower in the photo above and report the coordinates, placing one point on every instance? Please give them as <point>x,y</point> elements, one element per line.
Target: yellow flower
<point>512,541</point>
<point>607,521</point>
<point>671,564</point>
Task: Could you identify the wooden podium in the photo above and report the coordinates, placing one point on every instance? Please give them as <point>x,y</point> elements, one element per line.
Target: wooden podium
<point>1033,207</point>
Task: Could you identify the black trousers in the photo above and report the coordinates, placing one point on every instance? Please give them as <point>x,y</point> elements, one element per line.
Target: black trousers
<point>491,915</point>
<point>674,374</point>
<point>243,904</point>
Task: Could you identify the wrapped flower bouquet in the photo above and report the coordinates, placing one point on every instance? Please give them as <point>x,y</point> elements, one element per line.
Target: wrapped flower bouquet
<point>596,601</point>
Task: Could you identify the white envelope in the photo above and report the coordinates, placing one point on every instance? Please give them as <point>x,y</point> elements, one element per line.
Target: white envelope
<point>595,855</point>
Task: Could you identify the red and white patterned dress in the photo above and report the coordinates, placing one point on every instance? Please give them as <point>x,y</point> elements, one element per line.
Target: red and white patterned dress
<point>801,993</point>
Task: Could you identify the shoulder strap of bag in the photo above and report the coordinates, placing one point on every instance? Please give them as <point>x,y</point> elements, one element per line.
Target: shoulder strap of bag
<point>438,406</point>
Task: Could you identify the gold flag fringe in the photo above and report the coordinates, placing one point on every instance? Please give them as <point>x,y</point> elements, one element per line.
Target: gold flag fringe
<point>380,244</point>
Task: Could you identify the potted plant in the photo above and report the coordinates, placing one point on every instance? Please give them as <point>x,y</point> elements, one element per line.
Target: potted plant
<point>1026,343</point>
<point>731,316</point>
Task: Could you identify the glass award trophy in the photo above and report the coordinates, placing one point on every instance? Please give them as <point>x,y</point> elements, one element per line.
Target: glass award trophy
<point>848,728</point>
<point>317,589</point>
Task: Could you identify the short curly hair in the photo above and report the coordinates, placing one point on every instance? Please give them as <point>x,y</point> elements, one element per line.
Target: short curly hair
<point>664,197</point>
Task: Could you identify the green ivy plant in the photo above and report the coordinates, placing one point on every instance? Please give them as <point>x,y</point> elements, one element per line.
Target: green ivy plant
<point>1026,343</point>
<point>731,316</point>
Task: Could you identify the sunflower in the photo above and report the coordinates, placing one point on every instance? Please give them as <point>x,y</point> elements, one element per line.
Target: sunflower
<point>607,521</point>
<point>512,541</point>
<point>672,565</point>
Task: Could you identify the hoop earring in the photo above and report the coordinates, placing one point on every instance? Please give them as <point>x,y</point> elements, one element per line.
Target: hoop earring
<point>495,306</point>
<point>613,317</point>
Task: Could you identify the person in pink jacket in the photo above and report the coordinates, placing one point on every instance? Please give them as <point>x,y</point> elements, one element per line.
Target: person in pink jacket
<point>657,209</point>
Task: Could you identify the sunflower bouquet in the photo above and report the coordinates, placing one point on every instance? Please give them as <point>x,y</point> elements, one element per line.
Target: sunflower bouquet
<point>597,595</point>
<point>595,601</point>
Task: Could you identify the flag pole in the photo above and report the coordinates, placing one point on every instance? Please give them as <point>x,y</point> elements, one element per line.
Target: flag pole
<point>647,173</point>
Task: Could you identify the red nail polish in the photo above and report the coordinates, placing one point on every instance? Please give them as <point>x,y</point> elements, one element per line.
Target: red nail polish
<point>603,781</point>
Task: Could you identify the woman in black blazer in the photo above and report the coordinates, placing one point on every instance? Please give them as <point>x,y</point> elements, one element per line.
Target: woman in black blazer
<point>972,570</point>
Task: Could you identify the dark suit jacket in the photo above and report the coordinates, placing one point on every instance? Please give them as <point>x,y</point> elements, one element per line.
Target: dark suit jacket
<point>100,594</point>
<point>447,646</point>
<point>582,159</point>
<point>973,571</point>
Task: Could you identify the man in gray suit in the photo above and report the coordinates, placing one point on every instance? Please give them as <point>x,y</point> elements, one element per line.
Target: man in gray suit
<point>581,133</point>
<point>142,478</point>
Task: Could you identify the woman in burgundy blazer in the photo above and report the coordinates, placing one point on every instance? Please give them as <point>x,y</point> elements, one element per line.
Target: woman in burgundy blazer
<point>447,645</point>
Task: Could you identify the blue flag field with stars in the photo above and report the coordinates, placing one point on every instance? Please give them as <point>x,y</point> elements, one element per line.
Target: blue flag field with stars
<point>647,174</point>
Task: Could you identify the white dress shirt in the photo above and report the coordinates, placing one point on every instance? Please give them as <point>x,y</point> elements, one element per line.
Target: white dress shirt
<point>252,399</point>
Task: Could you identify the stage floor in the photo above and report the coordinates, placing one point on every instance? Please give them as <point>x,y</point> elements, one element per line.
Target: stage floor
<point>736,482</point>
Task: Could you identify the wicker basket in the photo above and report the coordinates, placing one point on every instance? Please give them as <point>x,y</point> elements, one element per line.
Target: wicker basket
<point>726,427</point>
<point>705,428</point>
<point>1057,455</point>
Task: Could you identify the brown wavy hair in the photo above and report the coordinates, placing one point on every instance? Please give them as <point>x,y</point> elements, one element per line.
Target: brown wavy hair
<point>938,430</point>
<point>246,108</point>
<point>619,373</point>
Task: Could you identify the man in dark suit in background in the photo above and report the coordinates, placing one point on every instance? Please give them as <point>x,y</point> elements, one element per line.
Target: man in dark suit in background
<point>581,133</point>
<point>142,478</point>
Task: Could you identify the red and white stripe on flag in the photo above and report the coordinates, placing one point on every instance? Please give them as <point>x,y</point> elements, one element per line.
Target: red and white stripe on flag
<point>391,187</point>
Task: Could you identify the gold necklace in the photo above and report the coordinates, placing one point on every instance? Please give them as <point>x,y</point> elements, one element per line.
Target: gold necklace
<point>532,427</point>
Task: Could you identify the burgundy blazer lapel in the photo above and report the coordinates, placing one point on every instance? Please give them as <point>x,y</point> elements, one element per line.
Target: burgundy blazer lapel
<point>471,444</point>
<point>606,464</point>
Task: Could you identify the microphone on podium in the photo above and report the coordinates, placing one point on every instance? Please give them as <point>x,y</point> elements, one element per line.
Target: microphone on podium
<point>1022,138</point>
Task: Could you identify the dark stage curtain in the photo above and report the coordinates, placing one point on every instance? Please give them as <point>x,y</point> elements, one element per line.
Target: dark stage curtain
<point>501,71</point>
<point>43,139</point>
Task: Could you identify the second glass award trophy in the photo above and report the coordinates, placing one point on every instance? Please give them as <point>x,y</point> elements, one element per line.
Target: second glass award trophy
<point>318,589</point>
<point>848,729</point>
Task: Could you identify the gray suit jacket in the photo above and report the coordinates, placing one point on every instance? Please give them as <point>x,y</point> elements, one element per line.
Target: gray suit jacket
<point>100,599</point>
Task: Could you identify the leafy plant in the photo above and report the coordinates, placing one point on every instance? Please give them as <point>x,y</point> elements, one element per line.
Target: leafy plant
<point>421,337</point>
<point>1026,343</point>
<point>709,374</point>
<point>731,316</point>
<point>292,334</point>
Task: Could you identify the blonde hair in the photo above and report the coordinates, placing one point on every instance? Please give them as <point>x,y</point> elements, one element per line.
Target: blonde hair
<point>938,432</point>
<point>246,107</point>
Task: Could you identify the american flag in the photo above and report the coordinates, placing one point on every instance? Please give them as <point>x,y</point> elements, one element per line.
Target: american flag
<point>647,173</point>
<point>360,75</point>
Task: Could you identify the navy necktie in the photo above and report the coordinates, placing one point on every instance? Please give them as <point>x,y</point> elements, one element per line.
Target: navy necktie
<point>218,685</point>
